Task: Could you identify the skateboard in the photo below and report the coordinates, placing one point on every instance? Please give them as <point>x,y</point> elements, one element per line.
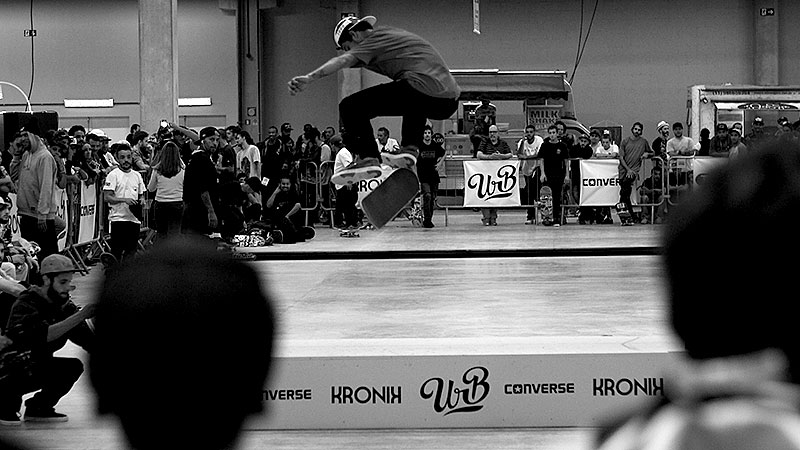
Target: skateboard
<point>546,205</point>
<point>624,214</point>
<point>349,233</point>
<point>390,197</point>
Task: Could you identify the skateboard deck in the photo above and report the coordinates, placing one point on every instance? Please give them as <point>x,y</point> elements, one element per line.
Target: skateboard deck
<point>390,197</point>
<point>546,200</point>
<point>624,214</point>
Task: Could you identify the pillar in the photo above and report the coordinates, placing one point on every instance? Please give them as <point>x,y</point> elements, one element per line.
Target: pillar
<point>765,51</point>
<point>158,62</point>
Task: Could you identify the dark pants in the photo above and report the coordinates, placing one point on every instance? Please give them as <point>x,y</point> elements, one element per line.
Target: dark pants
<point>557,186</point>
<point>195,220</point>
<point>428,191</point>
<point>54,376</point>
<point>529,195</point>
<point>168,219</point>
<point>124,239</point>
<point>397,98</point>
<point>47,239</point>
<point>625,190</point>
<point>346,198</point>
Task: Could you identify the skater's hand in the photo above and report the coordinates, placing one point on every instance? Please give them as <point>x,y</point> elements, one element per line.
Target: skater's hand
<point>212,219</point>
<point>298,84</point>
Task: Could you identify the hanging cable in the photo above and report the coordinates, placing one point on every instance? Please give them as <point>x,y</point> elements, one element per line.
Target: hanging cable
<point>33,62</point>
<point>585,39</point>
<point>578,51</point>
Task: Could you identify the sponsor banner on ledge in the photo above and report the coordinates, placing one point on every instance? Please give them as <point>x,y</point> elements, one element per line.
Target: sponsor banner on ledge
<point>544,390</point>
<point>599,182</point>
<point>491,183</point>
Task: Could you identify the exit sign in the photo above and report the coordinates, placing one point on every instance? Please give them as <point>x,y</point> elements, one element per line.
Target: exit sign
<point>767,12</point>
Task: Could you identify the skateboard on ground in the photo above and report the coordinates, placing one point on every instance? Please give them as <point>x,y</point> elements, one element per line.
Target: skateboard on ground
<point>390,197</point>
<point>349,232</point>
<point>624,214</point>
<point>546,205</point>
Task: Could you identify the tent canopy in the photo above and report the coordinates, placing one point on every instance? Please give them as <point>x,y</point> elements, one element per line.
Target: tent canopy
<point>511,84</point>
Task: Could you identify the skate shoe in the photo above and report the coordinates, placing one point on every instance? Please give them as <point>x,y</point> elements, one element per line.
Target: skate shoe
<point>362,169</point>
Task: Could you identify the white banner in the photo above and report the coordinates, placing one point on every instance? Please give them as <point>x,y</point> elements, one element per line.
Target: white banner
<point>62,212</point>
<point>88,220</point>
<point>702,166</point>
<point>364,187</point>
<point>14,220</point>
<point>599,182</point>
<point>491,183</point>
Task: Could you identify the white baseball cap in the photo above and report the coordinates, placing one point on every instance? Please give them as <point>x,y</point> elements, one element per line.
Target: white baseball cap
<point>347,23</point>
<point>99,134</point>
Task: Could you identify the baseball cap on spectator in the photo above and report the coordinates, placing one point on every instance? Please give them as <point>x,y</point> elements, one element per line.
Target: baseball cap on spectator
<point>594,133</point>
<point>735,130</point>
<point>335,140</point>
<point>56,263</point>
<point>783,121</point>
<point>737,126</point>
<point>61,134</point>
<point>208,132</point>
<point>606,133</point>
<point>758,121</point>
<point>493,128</point>
<point>98,134</point>
<point>286,127</point>
<point>583,137</point>
<point>722,127</point>
<point>661,125</point>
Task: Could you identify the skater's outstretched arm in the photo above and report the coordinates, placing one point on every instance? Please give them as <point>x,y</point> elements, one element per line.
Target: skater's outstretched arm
<point>333,65</point>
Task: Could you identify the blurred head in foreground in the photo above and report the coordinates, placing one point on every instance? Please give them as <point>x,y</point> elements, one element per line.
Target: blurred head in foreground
<point>727,253</point>
<point>184,341</point>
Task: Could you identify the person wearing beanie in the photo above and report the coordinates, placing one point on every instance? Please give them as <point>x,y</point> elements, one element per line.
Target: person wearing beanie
<point>41,321</point>
<point>737,385</point>
<point>659,145</point>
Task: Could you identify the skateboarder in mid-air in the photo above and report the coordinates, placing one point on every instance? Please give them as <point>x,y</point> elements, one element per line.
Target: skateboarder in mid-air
<point>422,88</point>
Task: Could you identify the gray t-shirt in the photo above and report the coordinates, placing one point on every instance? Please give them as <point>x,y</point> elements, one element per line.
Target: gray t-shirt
<point>402,55</point>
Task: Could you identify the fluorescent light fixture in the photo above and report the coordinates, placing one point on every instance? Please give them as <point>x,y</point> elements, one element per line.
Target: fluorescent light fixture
<point>194,101</point>
<point>89,103</point>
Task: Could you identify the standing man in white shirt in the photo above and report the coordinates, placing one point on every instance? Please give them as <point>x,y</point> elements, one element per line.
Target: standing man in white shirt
<point>528,152</point>
<point>248,157</point>
<point>123,191</point>
<point>346,194</point>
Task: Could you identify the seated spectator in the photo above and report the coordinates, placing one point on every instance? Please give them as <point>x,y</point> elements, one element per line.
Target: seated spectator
<point>737,383</point>
<point>281,211</point>
<point>168,388</point>
<point>42,320</point>
<point>16,259</point>
<point>650,192</point>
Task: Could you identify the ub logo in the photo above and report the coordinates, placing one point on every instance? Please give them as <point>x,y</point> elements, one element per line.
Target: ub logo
<point>501,185</point>
<point>449,399</point>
